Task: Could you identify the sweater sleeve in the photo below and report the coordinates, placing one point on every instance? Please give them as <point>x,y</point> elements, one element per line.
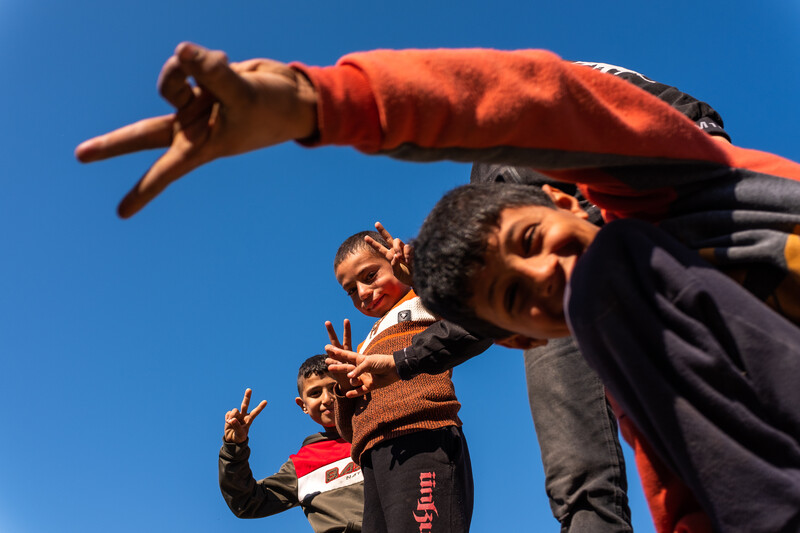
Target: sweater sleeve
<point>701,113</point>
<point>248,498</point>
<point>438,348</point>
<point>343,408</point>
<point>524,107</point>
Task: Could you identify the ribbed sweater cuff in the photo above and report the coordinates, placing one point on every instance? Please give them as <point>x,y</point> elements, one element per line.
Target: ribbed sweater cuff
<point>347,113</point>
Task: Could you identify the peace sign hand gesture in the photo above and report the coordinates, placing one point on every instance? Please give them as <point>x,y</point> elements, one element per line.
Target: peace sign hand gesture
<point>400,255</point>
<point>339,372</point>
<point>237,421</point>
<point>231,108</point>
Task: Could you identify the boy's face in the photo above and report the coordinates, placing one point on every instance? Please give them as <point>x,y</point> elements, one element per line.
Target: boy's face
<point>369,281</point>
<point>529,261</point>
<point>316,399</point>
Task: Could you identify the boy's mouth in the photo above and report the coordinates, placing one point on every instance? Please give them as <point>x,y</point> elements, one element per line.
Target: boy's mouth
<point>374,303</point>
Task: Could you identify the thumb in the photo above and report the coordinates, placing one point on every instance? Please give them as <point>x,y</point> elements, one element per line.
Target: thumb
<point>211,70</point>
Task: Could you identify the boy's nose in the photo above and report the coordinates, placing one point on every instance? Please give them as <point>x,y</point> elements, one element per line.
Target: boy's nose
<point>539,270</point>
<point>327,397</point>
<point>363,291</point>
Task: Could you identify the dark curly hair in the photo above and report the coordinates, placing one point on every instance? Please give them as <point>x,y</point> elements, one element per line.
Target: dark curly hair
<point>313,366</point>
<point>355,243</point>
<point>452,244</point>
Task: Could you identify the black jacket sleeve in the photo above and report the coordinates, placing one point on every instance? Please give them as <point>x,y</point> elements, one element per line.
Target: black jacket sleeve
<point>439,348</point>
<point>703,115</point>
<point>245,496</point>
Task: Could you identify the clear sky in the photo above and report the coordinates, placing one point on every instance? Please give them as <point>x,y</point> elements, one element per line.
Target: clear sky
<point>123,343</point>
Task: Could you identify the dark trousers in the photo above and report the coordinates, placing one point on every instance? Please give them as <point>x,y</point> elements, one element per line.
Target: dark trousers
<point>418,482</point>
<point>577,433</point>
<point>708,373</point>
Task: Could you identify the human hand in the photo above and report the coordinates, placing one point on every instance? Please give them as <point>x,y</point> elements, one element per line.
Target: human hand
<point>237,421</point>
<point>340,372</point>
<point>366,372</point>
<point>400,255</point>
<point>232,108</point>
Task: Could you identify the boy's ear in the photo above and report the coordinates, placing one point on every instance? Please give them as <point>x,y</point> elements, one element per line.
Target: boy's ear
<point>520,342</point>
<point>301,404</point>
<point>565,201</point>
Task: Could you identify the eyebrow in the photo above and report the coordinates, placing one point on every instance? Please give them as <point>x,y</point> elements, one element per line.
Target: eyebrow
<point>358,274</point>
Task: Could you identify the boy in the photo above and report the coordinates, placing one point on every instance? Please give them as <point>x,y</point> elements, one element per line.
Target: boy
<point>320,477</point>
<point>634,156</point>
<point>407,436</point>
<point>706,372</point>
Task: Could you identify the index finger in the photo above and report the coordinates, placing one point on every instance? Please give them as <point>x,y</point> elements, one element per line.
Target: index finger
<point>347,342</point>
<point>378,247</point>
<point>384,233</point>
<point>155,132</point>
<point>344,356</point>
<point>246,401</point>
<point>332,334</point>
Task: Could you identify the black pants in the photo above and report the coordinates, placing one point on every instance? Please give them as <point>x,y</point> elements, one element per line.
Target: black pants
<point>707,372</point>
<point>418,482</point>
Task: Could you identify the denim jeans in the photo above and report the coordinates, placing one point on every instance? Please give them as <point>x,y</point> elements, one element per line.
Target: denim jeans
<point>577,432</point>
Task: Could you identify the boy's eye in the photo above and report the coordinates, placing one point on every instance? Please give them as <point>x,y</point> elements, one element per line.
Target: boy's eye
<point>529,240</point>
<point>370,276</point>
<point>350,291</point>
<point>510,297</point>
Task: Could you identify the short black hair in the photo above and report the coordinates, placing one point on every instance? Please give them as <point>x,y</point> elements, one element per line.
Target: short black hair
<point>313,366</point>
<point>356,242</point>
<point>452,244</point>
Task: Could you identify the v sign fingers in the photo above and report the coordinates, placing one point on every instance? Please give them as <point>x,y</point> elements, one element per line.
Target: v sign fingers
<point>332,337</point>
<point>347,339</point>
<point>255,412</point>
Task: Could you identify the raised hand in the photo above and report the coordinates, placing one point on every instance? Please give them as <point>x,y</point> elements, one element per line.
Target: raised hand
<point>400,255</point>
<point>232,109</point>
<point>339,372</point>
<point>366,372</point>
<point>238,421</point>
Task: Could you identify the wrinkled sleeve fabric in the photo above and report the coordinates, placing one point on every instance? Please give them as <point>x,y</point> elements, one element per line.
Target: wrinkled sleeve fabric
<point>248,498</point>
<point>477,104</point>
<point>704,116</point>
<point>442,346</point>
<point>343,408</point>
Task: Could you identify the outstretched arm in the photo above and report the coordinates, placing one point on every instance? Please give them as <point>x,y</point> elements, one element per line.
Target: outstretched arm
<point>231,109</point>
<point>245,496</point>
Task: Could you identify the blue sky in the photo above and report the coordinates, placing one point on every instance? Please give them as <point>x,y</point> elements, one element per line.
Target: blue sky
<point>123,343</point>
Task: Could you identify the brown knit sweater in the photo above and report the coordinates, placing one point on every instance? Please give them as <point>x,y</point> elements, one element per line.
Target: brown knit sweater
<point>424,402</point>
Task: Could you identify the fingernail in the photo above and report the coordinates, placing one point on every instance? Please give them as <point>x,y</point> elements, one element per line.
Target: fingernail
<point>188,52</point>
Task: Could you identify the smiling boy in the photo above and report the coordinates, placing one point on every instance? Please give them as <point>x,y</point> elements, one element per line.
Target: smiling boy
<point>407,436</point>
<point>630,154</point>
<point>528,263</point>
<point>320,477</point>
<point>705,370</point>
